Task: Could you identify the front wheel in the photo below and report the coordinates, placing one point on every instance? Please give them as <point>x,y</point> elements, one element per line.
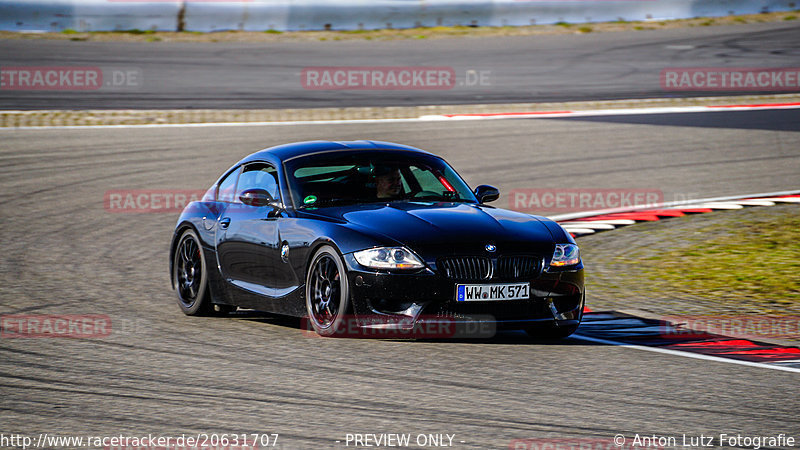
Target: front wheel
<point>191,277</point>
<point>327,292</point>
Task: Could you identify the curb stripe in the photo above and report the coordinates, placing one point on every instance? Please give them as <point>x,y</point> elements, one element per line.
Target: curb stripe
<point>582,223</point>
<point>663,336</point>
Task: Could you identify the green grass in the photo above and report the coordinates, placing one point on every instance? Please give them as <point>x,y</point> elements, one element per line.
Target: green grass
<point>754,260</point>
<point>585,29</point>
<point>790,18</point>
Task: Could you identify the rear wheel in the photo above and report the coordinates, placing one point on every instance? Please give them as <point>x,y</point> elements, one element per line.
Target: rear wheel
<point>191,277</point>
<point>327,292</point>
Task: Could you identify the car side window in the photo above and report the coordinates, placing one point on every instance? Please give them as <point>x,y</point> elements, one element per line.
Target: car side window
<point>259,176</point>
<point>227,187</point>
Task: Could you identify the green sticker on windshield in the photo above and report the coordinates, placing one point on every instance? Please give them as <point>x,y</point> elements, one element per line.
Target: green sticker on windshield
<point>310,199</point>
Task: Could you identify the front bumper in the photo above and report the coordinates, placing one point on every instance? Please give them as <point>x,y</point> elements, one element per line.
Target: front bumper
<point>397,300</point>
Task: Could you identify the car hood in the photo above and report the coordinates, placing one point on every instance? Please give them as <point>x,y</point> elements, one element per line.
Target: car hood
<point>435,229</point>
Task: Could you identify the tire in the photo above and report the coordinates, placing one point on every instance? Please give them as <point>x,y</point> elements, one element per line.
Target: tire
<point>327,292</point>
<point>191,277</point>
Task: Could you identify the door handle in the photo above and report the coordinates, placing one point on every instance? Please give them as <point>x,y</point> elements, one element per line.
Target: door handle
<point>224,222</point>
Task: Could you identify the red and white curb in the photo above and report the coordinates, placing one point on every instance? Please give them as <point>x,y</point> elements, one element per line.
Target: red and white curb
<point>590,222</point>
<point>667,337</point>
<point>663,336</point>
<point>611,112</point>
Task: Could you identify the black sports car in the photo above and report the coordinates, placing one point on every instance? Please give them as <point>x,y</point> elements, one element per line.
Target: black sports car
<point>371,235</point>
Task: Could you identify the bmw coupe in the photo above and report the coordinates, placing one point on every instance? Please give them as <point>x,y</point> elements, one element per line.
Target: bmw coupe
<point>342,233</point>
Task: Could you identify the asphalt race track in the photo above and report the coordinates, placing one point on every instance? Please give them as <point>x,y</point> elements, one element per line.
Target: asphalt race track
<point>624,65</point>
<point>163,373</point>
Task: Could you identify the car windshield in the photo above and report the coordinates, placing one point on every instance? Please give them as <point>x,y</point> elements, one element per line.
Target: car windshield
<point>340,178</point>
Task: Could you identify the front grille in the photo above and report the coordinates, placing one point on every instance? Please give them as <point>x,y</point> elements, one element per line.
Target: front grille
<point>480,268</point>
<point>466,268</point>
<point>518,267</point>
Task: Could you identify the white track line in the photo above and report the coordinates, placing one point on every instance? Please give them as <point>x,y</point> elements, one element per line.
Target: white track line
<point>687,354</point>
<point>788,361</point>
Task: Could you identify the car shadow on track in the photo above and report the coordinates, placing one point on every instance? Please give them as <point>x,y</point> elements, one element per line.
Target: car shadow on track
<point>501,337</point>
<point>612,328</point>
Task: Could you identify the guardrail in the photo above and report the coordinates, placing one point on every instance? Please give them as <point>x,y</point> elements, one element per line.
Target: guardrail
<point>291,15</point>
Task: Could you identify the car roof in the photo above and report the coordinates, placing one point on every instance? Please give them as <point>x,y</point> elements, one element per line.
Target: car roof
<point>288,151</point>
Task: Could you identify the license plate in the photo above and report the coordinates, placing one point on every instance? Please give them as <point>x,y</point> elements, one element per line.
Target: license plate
<point>489,292</point>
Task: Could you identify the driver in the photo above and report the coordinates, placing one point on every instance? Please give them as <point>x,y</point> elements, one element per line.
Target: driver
<point>388,183</point>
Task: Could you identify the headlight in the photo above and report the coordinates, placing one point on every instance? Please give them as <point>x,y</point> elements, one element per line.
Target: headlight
<point>388,258</point>
<point>565,255</point>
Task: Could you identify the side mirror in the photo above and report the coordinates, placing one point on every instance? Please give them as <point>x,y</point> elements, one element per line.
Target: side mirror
<point>486,193</point>
<point>256,197</point>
